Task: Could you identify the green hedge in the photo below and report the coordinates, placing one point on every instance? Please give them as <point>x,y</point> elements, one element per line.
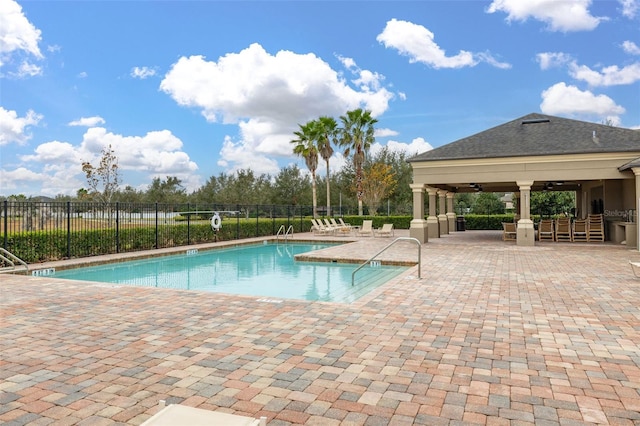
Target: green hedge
<point>41,246</point>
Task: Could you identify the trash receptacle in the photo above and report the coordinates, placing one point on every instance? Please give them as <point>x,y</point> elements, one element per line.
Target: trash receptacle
<point>460,223</point>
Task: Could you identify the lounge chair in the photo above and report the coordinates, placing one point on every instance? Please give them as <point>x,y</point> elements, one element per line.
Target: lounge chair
<point>509,231</point>
<point>340,229</point>
<point>342,223</point>
<point>330,226</point>
<point>367,228</point>
<point>319,228</point>
<point>545,230</point>
<point>563,229</point>
<point>595,228</point>
<point>580,230</point>
<point>635,267</point>
<point>385,231</point>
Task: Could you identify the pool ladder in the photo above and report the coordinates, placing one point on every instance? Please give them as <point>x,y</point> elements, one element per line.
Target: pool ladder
<point>7,257</point>
<point>286,234</point>
<point>373,262</point>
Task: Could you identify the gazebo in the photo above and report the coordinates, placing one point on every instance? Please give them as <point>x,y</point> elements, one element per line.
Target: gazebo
<point>536,152</point>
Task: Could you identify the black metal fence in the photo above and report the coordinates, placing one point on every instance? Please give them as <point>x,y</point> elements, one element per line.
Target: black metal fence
<point>42,231</point>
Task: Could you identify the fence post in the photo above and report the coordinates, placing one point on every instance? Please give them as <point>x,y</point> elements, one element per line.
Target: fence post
<point>238,221</point>
<point>69,229</point>
<point>117,227</point>
<point>5,208</point>
<point>189,223</point>
<point>156,224</point>
<point>257,222</point>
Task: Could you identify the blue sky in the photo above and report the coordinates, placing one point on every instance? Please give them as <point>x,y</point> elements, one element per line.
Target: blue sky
<point>196,88</point>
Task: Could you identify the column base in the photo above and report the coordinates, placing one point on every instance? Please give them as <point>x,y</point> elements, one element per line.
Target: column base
<point>419,229</point>
<point>434,227</point>
<point>451,219</point>
<point>526,233</point>
<point>444,224</point>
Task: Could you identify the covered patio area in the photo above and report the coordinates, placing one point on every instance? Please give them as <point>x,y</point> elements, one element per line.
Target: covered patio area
<point>533,153</point>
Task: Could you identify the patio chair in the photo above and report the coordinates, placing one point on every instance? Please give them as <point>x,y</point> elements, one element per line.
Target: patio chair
<point>563,229</point>
<point>367,228</point>
<point>635,267</point>
<point>385,231</point>
<point>595,227</point>
<point>580,230</point>
<point>545,230</point>
<point>509,231</point>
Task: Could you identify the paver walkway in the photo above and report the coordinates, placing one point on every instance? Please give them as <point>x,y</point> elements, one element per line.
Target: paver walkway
<point>492,334</point>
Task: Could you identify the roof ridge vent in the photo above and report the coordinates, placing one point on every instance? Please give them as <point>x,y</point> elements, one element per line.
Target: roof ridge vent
<point>536,120</point>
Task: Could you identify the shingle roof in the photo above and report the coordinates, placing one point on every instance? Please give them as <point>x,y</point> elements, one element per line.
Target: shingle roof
<point>537,134</point>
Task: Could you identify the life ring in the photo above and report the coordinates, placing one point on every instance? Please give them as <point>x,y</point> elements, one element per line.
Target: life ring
<point>216,221</point>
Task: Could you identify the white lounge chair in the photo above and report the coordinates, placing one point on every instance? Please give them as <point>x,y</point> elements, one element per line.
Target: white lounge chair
<point>319,228</point>
<point>367,228</point>
<point>385,231</point>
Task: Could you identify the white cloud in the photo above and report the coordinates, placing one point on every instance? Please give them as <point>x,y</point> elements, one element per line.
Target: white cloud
<point>608,76</point>
<point>631,48</point>
<point>549,60</point>
<point>83,74</point>
<point>416,146</point>
<point>561,99</point>
<point>17,34</point>
<point>266,96</point>
<point>382,133</point>
<point>417,42</point>
<point>563,16</point>
<point>13,128</point>
<point>142,72</point>
<point>156,154</point>
<point>630,8</point>
<point>87,121</point>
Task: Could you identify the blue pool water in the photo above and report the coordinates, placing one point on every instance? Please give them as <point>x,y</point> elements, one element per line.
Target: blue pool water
<point>267,270</point>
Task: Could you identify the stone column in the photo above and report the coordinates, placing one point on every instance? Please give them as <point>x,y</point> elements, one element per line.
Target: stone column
<point>442,213</point>
<point>418,228</point>
<point>432,219</point>
<point>526,232</point>
<point>636,171</point>
<point>451,214</point>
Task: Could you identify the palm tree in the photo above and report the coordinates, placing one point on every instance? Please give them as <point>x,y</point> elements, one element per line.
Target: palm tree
<point>326,129</point>
<point>357,136</point>
<point>306,148</point>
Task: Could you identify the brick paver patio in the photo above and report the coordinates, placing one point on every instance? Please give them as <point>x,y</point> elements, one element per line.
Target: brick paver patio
<point>492,334</point>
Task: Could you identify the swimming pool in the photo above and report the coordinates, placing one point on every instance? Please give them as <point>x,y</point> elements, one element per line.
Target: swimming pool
<point>267,270</point>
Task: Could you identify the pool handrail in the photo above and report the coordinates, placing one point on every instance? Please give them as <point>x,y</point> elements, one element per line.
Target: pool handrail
<point>287,233</point>
<point>353,274</point>
<point>12,259</point>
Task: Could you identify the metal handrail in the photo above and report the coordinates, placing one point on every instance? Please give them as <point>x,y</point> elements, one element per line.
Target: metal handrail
<point>353,274</point>
<point>11,258</point>
<point>286,233</point>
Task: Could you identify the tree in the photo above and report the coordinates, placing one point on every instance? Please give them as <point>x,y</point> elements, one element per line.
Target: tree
<point>103,180</point>
<point>169,190</point>
<point>356,136</point>
<point>326,131</point>
<point>291,187</point>
<point>487,203</point>
<point>305,147</point>
<point>549,203</point>
<point>377,184</point>
<point>401,197</point>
